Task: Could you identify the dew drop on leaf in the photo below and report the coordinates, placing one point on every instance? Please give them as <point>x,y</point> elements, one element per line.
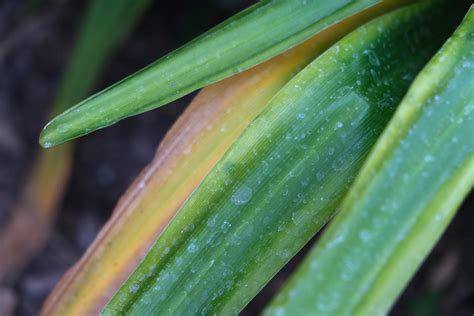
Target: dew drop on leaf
<point>242,196</point>
<point>338,125</point>
<point>428,158</point>
<point>365,235</point>
<point>300,116</point>
<point>192,247</point>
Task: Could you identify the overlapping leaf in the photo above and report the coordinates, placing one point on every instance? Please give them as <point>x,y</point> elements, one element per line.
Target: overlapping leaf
<point>193,146</point>
<point>405,196</point>
<point>283,178</point>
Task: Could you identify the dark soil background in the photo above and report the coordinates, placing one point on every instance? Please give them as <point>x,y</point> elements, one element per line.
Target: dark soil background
<point>34,48</point>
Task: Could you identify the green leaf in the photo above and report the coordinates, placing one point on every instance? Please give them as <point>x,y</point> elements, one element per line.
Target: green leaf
<point>405,196</point>
<point>212,122</point>
<point>105,25</point>
<point>285,175</point>
<point>252,36</point>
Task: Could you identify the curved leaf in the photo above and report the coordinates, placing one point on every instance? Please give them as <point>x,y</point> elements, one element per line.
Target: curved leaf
<point>402,201</point>
<point>192,147</point>
<point>283,178</point>
<point>241,42</point>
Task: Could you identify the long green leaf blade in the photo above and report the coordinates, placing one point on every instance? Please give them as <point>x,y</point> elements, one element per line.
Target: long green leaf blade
<point>214,120</point>
<point>106,24</point>
<point>404,198</point>
<point>256,34</point>
<point>283,178</point>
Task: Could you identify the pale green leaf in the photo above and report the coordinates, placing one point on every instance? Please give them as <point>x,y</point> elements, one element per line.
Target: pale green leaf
<point>405,196</point>
<point>283,178</point>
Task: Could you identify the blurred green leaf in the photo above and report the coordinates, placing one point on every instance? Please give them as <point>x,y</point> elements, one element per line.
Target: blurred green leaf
<point>281,181</point>
<point>404,197</point>
<point>105,24</point>
<point>252,36</point>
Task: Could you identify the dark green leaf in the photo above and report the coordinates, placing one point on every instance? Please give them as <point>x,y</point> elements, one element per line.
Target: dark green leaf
<point>405,196</point>
<point>256,34</point>
<point>283,178</point>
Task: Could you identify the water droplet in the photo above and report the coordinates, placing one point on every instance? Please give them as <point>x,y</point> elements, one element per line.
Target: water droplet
<point>242,196</point>
<point>373,59</point>
<point>319,176</point>
<point>294,217</point>
<point>211,221</point>
<point>193,247</point>
<point>300,116</point>
<point>225,225</point>
<point>63,128</point>
<point>141,89</point>
<point>335,241</point>
<point>279,311</point>
<point>134,288</point>
<point>365,235</point>
<point>428,158</point>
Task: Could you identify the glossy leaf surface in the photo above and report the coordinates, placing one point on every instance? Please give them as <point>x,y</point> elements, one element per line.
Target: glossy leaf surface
<point>405,196</point>
<point>284,176</point>
<point>241,42</point>
<point>192,147</point>
<point>196,142</point>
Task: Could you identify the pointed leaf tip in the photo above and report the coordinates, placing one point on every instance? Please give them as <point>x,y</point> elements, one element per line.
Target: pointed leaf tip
<point>241,42</point>
<point>45,139</point>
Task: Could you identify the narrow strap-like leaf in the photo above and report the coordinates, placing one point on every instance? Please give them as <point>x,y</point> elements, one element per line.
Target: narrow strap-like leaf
<point>252,36</point>
<point>285,175</point>
<point>405,196</point>
<point>200,137</point>
<point>105,25</point>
